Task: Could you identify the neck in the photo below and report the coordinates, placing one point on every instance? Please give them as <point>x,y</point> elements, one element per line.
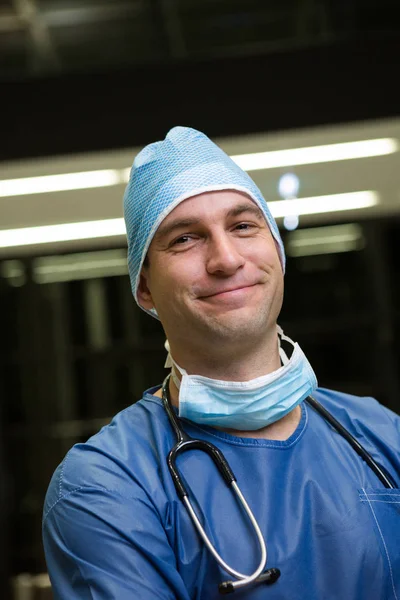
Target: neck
<point>237,365</point>
<point>231,363</point>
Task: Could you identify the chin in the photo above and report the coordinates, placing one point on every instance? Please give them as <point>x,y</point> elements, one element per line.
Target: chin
<point>235,327</point>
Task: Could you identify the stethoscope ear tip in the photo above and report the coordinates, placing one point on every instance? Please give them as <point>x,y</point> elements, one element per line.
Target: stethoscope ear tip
<point>226,587</point>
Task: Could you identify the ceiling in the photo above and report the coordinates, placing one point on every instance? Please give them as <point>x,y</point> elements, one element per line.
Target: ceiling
<point>85,83</point>
<point>379,174</point>
<point>40,37</point>
<point>90,75</point>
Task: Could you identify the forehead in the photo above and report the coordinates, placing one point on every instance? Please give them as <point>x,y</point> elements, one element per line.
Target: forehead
<point>210,205</point>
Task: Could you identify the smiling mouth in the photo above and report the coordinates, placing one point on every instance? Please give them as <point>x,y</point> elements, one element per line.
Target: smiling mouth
<point>229,291</point>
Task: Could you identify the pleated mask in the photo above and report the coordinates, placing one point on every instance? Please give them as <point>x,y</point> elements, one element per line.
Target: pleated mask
<point>246,405</point>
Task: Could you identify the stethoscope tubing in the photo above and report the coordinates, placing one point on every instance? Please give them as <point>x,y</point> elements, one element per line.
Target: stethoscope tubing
<point>185,443</point>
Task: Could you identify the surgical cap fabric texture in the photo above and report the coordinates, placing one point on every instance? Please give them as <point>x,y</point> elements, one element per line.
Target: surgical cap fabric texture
<point>166,173</point>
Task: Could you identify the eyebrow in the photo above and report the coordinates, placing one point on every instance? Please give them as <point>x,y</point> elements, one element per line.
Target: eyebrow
<point>168,228</point>
<point>242,208</point>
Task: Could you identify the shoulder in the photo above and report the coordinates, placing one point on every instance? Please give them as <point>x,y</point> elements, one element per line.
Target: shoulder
<point>364,417</point>
<point>364,407</point>
<point>125,451</point>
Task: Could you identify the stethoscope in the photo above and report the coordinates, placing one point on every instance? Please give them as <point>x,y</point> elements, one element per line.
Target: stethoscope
<point>185,443</point>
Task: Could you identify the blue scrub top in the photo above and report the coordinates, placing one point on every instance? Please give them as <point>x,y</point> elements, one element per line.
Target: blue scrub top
<point>114,527</point>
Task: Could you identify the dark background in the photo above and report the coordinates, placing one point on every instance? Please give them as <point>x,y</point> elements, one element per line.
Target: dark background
<point>91,75</point>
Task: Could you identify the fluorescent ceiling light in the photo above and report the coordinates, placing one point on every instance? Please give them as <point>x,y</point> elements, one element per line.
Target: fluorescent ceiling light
<point>316,154</point>
<point>66,232</point>
<point>45,234</point>
<point>87,265</point>
<point>248,162</point>
<point>70,267</point>
<point>325,240</point>
<point>59,183</point>
<point>323,204</point>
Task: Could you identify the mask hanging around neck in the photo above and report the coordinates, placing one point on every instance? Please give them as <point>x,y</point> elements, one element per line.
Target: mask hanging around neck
<point>246,405</point>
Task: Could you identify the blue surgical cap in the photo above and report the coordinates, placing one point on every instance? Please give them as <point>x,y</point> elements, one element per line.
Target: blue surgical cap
<point>166,173</point>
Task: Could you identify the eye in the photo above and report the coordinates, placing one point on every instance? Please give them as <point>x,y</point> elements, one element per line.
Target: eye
<point>183,239</point>
<point>244,227</point>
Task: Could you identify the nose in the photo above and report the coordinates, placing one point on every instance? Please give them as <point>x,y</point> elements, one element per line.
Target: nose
<point>223,257</point>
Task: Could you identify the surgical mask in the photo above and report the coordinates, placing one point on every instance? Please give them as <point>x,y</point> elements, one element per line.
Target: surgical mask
<point>246,405</point>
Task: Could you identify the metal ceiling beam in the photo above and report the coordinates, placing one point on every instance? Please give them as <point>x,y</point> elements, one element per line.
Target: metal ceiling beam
<point>313,19</point>
<point>91,14</point>
<point>9,22</point>
<point>173,28</point>
<point>43,53</point>
<point>15,20</point>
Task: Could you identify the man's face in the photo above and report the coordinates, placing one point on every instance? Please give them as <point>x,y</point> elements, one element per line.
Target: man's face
<point>214,273</point>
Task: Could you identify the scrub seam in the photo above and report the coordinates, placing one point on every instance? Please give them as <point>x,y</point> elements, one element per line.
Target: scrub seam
<point>87,488</point>
<point>388,493</point>
<point>62,474</point>
<point>384,544</point>
<point>59,500</point>
<point>383,501</point>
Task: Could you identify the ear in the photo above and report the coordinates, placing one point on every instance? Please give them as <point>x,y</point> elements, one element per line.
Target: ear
<point>143,292</point>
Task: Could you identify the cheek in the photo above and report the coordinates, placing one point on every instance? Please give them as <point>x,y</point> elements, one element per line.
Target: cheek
<point>184,271</point>
<point>169,284</point>
<point>272,255</point>
<point>265,257</point>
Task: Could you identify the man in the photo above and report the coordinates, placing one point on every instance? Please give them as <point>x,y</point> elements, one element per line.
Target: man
<point>206,258</point>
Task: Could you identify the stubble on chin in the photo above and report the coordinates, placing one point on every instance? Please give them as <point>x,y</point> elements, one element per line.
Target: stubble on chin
<point>232,328</point>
